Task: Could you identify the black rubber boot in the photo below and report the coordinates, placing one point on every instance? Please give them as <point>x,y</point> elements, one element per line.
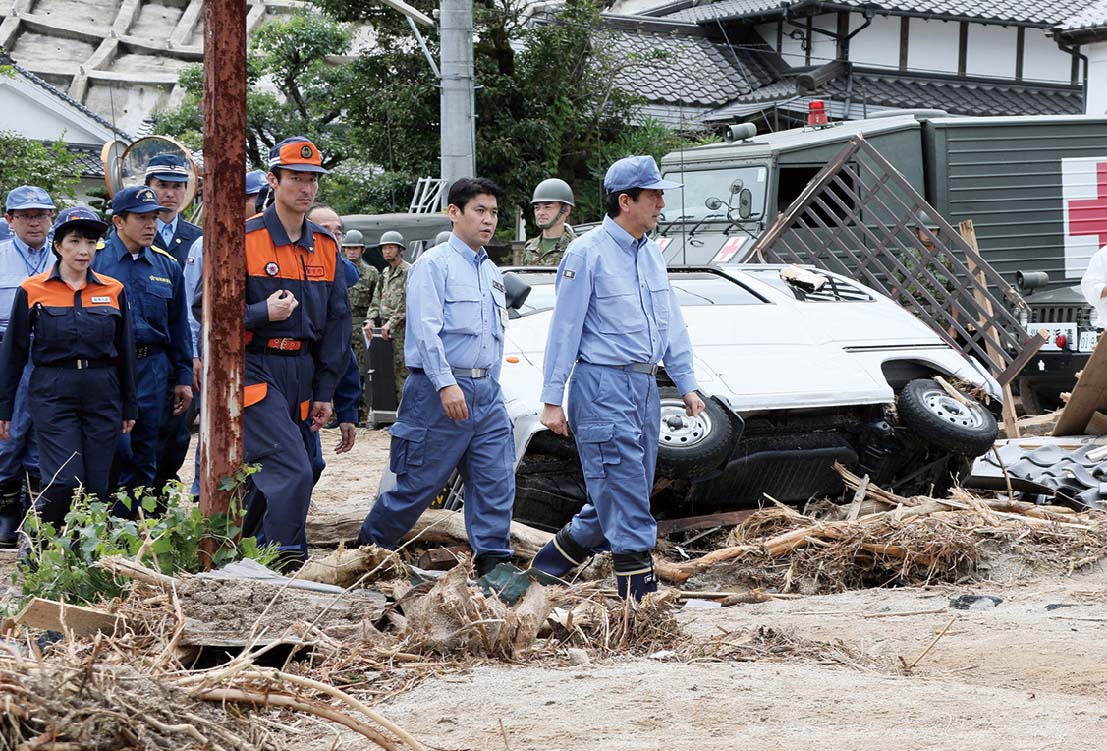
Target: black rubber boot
<point>485,563</point>
<point>634,574</point>
<point>560,555</point>
<point>11,512</point>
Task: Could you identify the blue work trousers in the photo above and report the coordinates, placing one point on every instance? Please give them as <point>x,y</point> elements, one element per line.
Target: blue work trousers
<point>136,454</point>
<point>426,448</point>
<point>173,440</point>
<point>615,417</point>
<point>18,454</point>
<point>277,437</point>
<point>77,417</point>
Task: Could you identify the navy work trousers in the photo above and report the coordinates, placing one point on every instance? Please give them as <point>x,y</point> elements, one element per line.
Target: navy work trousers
<point>18,454</point>
<point>277,437</point>
<point>426,448</point>
<point>615,417</point>
<point>77,418</point>
<point>136,455</point>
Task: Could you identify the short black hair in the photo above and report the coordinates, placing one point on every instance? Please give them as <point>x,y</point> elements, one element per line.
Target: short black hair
<point>85,231</point>
<point>613,208</point>
<point>465,189</point>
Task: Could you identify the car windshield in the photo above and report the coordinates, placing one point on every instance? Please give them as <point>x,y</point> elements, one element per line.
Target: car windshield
<point>691,288</point>
<point>835,289</point>
<point>723,184</point>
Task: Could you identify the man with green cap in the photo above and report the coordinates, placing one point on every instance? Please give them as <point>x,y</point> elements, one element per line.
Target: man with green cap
<point>390,303</point>
<point>361,297</point>
<point>552,202</point>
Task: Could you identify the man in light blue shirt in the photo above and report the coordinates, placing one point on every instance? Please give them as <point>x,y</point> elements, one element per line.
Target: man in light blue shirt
<point>29,211</point>
<point>452,411</point>
<point>615,320</point>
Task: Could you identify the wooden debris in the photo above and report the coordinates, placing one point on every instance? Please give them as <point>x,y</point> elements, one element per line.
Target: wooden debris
<point>346,567</point>
<point>49,615</point>
<point>1088,397</point>
<point>696,523</point>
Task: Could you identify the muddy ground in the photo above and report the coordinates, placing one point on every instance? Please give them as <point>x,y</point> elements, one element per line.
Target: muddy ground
<point>1028,673</point>
<point>894,668</point>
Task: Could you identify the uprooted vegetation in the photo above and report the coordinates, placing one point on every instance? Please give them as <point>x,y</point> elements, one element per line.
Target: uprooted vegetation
<point>228,663</point>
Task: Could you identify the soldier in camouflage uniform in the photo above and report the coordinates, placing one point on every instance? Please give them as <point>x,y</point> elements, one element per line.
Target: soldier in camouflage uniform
<point>389,304</point>
<point>552,202</point>
<point>361,296</point>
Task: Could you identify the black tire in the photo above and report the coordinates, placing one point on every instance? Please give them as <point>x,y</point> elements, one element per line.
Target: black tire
<point>548,501</point>
<point>692,446</point>
<point>944,422</point>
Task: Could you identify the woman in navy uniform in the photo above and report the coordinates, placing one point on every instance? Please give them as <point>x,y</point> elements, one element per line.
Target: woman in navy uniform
<point>76,327</point>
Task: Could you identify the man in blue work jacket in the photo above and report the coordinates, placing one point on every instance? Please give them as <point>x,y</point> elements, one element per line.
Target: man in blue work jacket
<point>30,212</point>
<point>615,319</point>
<point>452,412</point>
<point>163,343</point>
<point>168,176</point>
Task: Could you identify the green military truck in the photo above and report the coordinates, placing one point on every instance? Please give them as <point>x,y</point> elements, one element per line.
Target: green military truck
<point>1035,188</point>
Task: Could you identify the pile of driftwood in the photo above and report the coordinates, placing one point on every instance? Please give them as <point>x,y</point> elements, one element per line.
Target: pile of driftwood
<point>883,539</point>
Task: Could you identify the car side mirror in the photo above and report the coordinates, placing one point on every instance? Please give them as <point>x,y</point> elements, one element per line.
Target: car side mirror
<point>515,290</point>
<point>745,203</point>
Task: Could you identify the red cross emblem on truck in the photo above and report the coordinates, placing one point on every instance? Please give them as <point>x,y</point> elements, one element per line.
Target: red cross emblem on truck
<point>1089,216</point>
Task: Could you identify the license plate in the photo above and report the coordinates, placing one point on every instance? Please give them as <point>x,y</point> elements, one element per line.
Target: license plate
<point>1055,330</point>
<point>1088,340</point>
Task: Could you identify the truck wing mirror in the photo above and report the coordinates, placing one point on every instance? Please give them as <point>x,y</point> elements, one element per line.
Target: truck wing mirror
<point>745,203</point>
<point>515,290</point>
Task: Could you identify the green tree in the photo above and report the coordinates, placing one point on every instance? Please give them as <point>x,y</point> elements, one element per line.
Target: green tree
<point>48,165</point>
<point>289,56</point>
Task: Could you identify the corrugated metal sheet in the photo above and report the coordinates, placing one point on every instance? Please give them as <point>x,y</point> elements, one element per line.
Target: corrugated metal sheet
<point>1005,175</point>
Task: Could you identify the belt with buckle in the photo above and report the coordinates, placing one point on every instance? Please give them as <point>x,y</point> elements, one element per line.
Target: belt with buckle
<point>80,364</point>
<point>283,346</point>
<point>635,367</point>
<point>145,350</point>
<point>458,372</point>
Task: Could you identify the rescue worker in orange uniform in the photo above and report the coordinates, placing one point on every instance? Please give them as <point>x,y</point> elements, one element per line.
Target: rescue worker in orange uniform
<point>76,327</point>
<point>298,345</point>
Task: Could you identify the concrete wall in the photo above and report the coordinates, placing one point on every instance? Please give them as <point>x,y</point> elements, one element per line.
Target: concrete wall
<point>1097,78</point>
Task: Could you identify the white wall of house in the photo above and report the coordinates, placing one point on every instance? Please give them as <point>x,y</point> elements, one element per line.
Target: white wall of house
<point>991,51</point>
<point>934,46</point>
<point>33,112</point>
<point>1096,103</point>
<point>877,46</point>
<point>1043,60</point>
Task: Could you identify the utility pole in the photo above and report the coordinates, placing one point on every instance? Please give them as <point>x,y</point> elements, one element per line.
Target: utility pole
<point>224,281</point>
<point>455,23</point>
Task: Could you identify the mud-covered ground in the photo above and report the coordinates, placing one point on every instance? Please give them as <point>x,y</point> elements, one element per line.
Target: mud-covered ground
<point>878,668</point>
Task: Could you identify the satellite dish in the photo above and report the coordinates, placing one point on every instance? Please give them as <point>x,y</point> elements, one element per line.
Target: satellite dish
<point>125,166</point>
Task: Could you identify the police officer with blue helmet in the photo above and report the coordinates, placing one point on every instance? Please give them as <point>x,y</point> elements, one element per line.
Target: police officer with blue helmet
<point>615,319</point>
<point>163,342</point>
<point>30,211</point>
<point>75,325</point>
<point>452,413</point>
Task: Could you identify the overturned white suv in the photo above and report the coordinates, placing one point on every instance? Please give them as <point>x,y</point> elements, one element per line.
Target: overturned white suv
<point>798,369</point>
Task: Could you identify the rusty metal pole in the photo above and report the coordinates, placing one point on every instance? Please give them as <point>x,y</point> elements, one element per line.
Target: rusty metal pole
<point>224,280</point>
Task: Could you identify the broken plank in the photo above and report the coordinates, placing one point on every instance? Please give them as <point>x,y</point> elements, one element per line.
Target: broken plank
<point>50,615</point>
<point>695,523</point>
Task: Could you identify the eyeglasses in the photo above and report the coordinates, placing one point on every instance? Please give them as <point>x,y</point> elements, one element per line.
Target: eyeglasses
<point>40,217</point>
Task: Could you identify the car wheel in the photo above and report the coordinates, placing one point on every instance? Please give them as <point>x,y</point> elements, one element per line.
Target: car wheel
<point>692,446</point>
<point>944,422</point>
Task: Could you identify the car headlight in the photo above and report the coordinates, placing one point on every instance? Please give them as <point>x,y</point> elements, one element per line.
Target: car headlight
<point>1093,318</point>
<point>1024,317</point>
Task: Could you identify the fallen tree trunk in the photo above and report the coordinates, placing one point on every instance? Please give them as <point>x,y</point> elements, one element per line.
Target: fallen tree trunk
<point>434,525</point>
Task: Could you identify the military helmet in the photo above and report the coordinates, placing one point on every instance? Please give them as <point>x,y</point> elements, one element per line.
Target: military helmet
<point>392,237</point>
<point>553,189</point>
<point>353,238</point>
